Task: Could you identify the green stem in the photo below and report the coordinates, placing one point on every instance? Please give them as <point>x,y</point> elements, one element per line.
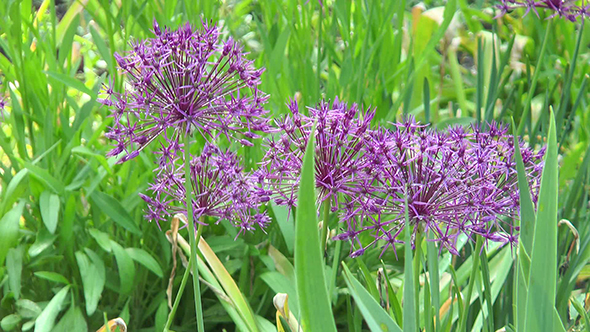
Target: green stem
<point>325,224</point>
<point>320,49</point>
<point>335,265</point>
<point>417,269</point>
<point>191,233</point>
<point>474,269</point>
<point>178,295</point>
<point>529,97</point>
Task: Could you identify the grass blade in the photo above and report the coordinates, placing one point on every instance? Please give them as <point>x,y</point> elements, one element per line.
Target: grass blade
<point>543,274</point>
<point>377,319</point>
<point>314,302</point>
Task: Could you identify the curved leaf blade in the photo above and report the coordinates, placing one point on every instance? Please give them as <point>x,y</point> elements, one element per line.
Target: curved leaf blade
<point>543,272</point>
<point>377,319</point>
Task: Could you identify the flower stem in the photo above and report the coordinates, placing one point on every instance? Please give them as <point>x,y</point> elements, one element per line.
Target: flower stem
<point>320,50</point>
<point>178,295</point>
<point>191,263</point>
<point>325,225</point>
<point>417,268</point>
<point>335,265</point>
<point>191,233</point>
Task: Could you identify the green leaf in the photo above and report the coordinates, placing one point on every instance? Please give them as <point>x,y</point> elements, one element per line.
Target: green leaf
<point>44,176</point>
<point>72,83</point>
<point>12,185</point>
<point>229,286</point>
<point>314,302</point>
<point>73,320</point>
<point>93,280</point>
<point>376,317</point>
<point>14,266</point>
<point>527,227</point>
<point>282,263</point>
<point>9,230</point>
<point>161,316</point>
<point>101,238</point>
<point>281,284</point>
<point>46,320</point>
<point>543,274</point>
<point>52,276</point>
<point>49,205</point>
<point>28,309</point>
<point>115,210</point>
<point>43,241</point>
<point>10,322</point>
<point>126,268</point>
<point>285,220</point>
<point>144,258</point>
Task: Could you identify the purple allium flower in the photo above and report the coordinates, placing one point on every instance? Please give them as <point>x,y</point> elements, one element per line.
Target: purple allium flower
<point>562,8</point>
<point>459,181</point>
<point>221,189</point>
<point>184,81</point>
<point>340,134</point>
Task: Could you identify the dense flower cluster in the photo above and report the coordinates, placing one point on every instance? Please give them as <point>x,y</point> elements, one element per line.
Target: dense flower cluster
<point>563,8</point>
<point>185,81</point>
<point>339,166</point>
<point>220,187</point>
<point>459,181</point>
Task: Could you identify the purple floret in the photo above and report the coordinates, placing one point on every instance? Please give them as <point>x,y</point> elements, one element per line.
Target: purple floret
<point>184,81</point>
<point>339,166</point>
<point>221,189</point>
<point>566,9</point>
<point>458,181</point>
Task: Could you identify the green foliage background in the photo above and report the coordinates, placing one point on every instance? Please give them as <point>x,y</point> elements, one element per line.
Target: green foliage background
<point>73,240</point>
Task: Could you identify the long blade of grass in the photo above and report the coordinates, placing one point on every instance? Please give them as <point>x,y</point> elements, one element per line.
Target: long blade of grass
<point>314,302</point>
<point>543,274</point>
<point>376,317</point>
<point>526,223</point>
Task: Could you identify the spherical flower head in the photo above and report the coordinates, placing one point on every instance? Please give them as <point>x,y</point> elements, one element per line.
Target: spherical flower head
<point>340,133</point>
<point>457,181</point>
<point>562,8</point>
<point>220,189</point>
<point>184,81</point>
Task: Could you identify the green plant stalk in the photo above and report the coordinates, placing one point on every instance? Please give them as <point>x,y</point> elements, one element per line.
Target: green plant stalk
<point>320,49</point>
<point>335,265</point>
<point>179,294</point>
<point>529,97</point>
<point>432,263</point>
<point>409,310</point>
<point>416,269</point>
<point>325,225</point>
<point>474,269</point>
<point>191,232</point>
